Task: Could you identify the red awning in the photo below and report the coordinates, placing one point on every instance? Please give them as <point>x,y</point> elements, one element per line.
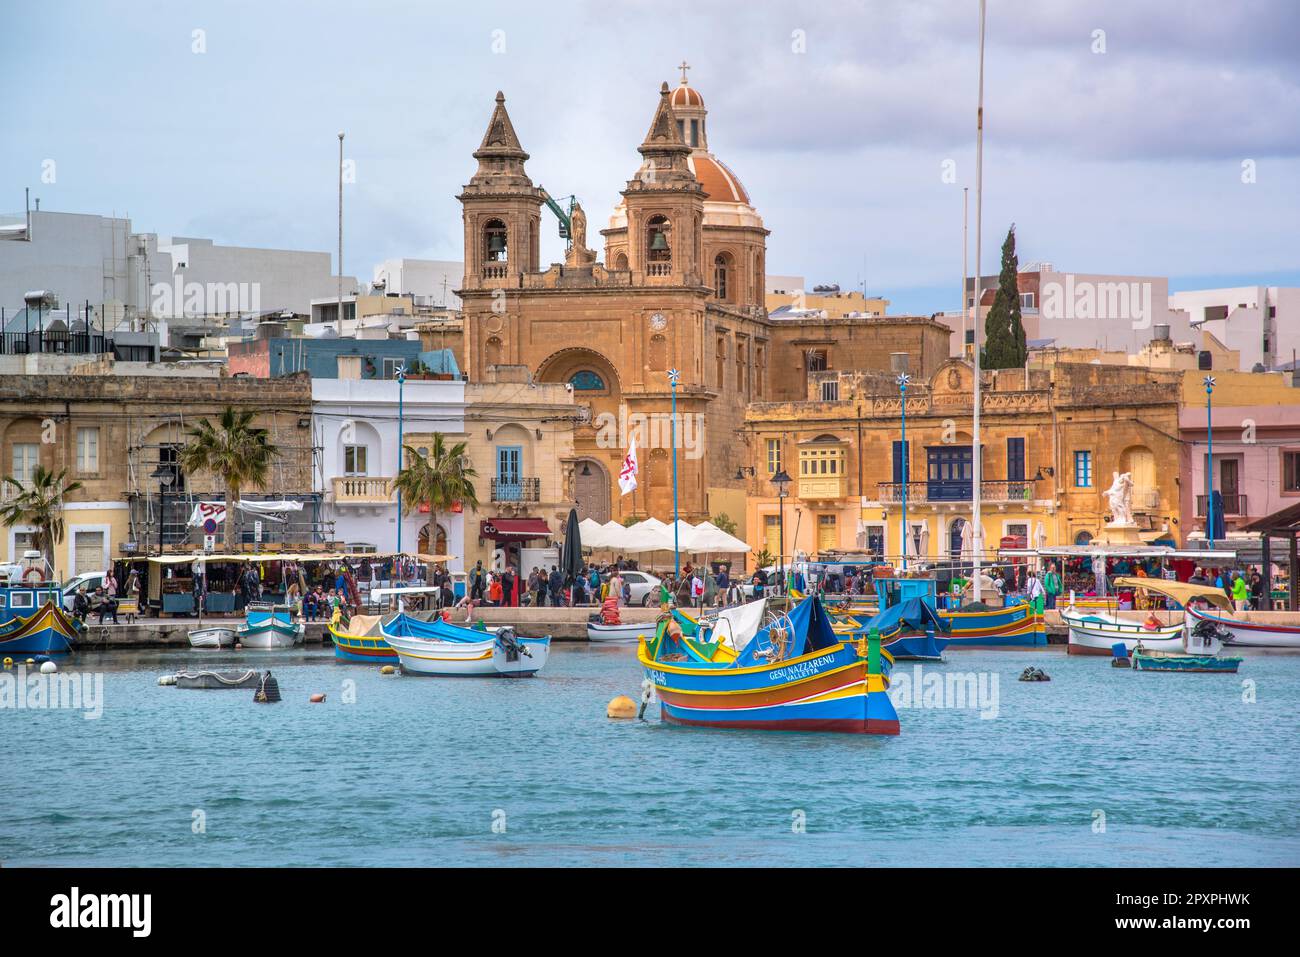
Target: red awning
<point>514,528</point>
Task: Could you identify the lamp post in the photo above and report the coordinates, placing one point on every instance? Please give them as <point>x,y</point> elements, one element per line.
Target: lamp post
<point>401,453</point>
<point>673,376</point>
<point>903,380</point>
<point>782,482</point>
<point>1209,460</point>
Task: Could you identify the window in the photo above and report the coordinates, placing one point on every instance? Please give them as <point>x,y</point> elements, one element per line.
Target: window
<point>1015,460</point>
<point>88,552</point>
<point>1291,471</point>
<point>831,390</point>
<point>681,129</point>
<point>510,478</point>
<point>88,451</point>
<point>821,461</point>
<point>354,460</point>
<point>1083,469</point>
<point>26,455</point>
<point>495,246</point>
<point>587,381</point>
<point>658,249</point>
<point>773,456</point>
<point>817,360</point>
<point>950,473</point>
<point>721,267</point>
<point>828,536</point>
<point>1026,300</point>
<point>695,132</point>
<point>900,459</point>
<point>1018,530</point>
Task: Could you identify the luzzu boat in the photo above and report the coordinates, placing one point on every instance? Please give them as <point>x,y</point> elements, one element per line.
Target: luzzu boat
<point>361,640</point>
<point>1018,626</point>
<point>270,626</point>
<point>794,674</point>
<point>910,630</point>
<point>442,649</point>
<point>32,621</point>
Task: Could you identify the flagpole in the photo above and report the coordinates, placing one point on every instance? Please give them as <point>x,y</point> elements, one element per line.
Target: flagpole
<point>673,376</point>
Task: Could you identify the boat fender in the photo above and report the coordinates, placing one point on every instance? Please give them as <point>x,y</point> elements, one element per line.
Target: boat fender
<point>239,646</point>
<point>621,707</point>
<point>48,667</point>
<point>9,663</point>
<point>165,680</point>
<point>388,670</point>
<point>317,698</point>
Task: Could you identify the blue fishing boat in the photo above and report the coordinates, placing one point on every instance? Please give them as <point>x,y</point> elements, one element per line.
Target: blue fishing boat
<point>910,631</point>
<point>270,626</point>
<point>794,674</point>
<point>1016,626</point>
<point>1144,660</point>
<point>445,650</point>
<point>32,620</point>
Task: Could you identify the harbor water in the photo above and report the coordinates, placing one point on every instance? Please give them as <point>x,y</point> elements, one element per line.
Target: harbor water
<point>1098,767</point>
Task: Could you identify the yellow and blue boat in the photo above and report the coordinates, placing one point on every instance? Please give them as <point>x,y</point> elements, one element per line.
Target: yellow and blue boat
<point>795,674</point>
<point>32,621</point>
<point>361,640</point>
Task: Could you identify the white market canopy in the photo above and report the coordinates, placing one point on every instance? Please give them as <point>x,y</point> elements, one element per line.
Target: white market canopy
<point>653,535</point>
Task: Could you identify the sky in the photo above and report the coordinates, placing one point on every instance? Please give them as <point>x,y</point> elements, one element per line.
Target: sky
<point>1158,138</point>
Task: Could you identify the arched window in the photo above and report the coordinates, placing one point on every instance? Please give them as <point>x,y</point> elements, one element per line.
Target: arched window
<point>721,275</point>
<point>658,248</point>
<point>492,354</point>
<point>587,381</point>
<point>1083,538</point>
<point>495,245</point>
<point>620,261</point>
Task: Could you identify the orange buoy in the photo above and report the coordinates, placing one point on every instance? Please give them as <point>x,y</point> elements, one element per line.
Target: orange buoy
<point>317,698</point>
<point>621,707</point>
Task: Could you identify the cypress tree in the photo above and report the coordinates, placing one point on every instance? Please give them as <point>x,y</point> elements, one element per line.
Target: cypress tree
<point>1004,330</point>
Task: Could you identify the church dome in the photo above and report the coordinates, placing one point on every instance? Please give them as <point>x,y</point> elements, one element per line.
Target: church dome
<point>720,184</point>
<point>685,96</point>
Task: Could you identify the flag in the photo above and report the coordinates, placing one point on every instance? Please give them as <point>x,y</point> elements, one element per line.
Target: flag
<point>627,474</point>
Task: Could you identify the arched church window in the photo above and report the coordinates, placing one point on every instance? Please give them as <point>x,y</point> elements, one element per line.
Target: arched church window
<point>658,249</point>
<point>721,275</point>
<point>492,354</point>
<point>587,381</point>
<point>494,241</point>
<point>620,261</point>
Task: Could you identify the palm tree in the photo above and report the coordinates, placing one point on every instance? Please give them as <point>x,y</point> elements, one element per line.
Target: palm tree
<point>39,503</point>
<point>439,481</point>
<point>238,453</point>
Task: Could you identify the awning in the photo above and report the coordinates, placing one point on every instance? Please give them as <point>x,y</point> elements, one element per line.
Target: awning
<point>512,529</point>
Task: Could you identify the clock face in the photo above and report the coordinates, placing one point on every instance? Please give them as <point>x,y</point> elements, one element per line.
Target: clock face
<point>658,322</point>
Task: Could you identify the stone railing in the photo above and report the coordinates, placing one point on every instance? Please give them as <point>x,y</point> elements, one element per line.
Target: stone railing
<point>362,490</point>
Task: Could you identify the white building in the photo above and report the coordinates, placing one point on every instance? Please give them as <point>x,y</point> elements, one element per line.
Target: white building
<point>82,257</point>
<point>432,282</point>
<point>356,426</point>
<point>1262,322</point>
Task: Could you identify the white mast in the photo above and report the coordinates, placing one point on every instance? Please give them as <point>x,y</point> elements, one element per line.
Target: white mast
<point>978,530</point>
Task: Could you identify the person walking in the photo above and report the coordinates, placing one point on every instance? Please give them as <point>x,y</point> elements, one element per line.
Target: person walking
<point>1240,592</point>
<point>1051,585</point>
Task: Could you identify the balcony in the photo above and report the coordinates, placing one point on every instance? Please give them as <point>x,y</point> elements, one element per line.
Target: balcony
<point>822,487</point>
<point>494,270</point>
<point>1233,504</point>
<point>994,491</point>
<point>659,269</point>
<point>363,490</point>
<point>519,491</point>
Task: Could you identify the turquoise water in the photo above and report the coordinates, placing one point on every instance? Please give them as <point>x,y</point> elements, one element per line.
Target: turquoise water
<point>419,770</point>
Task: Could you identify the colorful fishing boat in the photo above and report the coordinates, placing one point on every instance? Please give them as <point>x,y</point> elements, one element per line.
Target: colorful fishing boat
<point>909,631</point>
<point>795,674</point>
<point>360,640</point>
<point>1150,660</point>
<point>270,627</point>
<point>33,622</point>
<point>439,648</point>
<point>1250,634</point>
<point>1017,626</point>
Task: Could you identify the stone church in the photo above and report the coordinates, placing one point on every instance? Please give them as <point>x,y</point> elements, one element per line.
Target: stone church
<point>681,287</point>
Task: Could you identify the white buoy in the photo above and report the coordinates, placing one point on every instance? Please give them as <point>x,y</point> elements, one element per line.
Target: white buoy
<point>48,667</point>
<point>166,680</point>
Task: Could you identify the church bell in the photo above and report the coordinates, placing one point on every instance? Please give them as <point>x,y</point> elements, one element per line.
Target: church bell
<point>496,243</point>
<point>659,243</point>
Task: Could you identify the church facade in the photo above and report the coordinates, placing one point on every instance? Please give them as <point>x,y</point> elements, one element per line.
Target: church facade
<point>681,287</point>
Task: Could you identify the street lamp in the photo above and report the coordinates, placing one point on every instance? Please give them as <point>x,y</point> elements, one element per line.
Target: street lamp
<point>1209,461</point>
<point>782,482</point>
<point>903,380</point>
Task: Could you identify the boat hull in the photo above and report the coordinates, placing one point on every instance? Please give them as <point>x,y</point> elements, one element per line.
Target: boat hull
<point>270,637</point>
<point>1186,663</point>
<point>468,659</point>
<point>362,648</point>
<point>1015,627</point>
<point>1249,634</point>
<point>828,690</point>
<point>918,647</point>
<point>217,680</point>
<point>212,638</point>
<point>630,631</point>
<point>48,631</point>
<point>1093,635</point>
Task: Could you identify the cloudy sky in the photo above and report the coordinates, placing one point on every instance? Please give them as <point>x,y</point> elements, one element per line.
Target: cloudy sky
<point>1118,133</point>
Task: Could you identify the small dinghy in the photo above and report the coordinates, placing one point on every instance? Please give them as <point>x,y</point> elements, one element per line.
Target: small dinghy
<point>1144,660</point>
<point>216,679</point>
<point>214,637</point>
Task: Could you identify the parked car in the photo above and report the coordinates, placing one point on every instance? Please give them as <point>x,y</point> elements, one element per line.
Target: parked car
<point>643,586</point>
<point>91,580</point>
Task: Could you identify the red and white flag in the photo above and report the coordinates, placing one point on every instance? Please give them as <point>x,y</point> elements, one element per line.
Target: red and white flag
<point>627,474</point>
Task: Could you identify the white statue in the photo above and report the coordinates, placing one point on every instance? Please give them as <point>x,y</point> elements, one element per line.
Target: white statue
<point>1120,496</point>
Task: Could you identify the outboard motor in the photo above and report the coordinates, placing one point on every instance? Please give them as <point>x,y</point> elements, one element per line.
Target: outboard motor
<point>509,642</point>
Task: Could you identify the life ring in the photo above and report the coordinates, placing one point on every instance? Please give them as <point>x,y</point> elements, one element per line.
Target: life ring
<point>40,575</point>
